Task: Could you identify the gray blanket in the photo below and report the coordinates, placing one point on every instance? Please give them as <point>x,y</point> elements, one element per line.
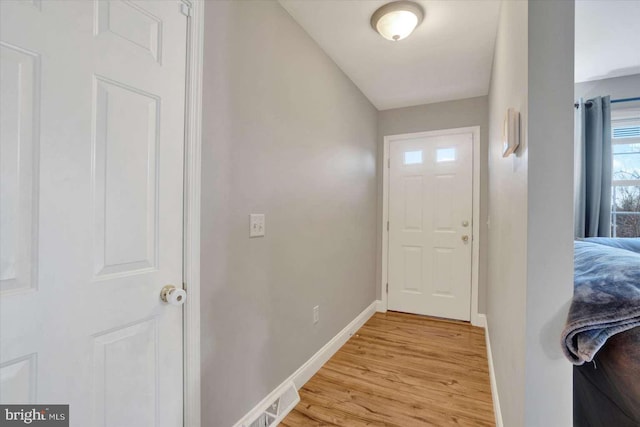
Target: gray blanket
<point>628,244</point>
<point>606,298</point>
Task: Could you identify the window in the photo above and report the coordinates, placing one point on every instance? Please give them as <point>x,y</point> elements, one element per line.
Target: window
<point>625,207</point>
<point>446,155</point>
<point>412,157</point>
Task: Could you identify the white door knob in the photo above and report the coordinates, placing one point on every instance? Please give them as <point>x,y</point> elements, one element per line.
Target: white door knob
<point>172,295</point>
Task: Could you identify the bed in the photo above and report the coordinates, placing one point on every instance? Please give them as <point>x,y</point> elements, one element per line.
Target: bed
<point>602,336</point>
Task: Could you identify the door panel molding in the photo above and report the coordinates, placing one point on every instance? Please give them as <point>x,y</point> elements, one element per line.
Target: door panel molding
<point>475,317</point>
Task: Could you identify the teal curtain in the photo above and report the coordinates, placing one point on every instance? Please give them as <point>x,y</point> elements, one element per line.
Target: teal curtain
<point>593,168</point>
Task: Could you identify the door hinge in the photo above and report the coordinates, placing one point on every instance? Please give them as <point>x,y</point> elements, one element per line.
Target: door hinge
<point>387,225</point>
<point>185,9</point>
<point>389,163</point>
<point>387,288</point>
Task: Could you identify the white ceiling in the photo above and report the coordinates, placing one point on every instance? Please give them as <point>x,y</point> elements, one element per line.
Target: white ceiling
<point>607,39</point>
<point>449,56</point>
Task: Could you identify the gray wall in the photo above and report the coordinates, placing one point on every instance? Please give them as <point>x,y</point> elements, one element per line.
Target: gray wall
<point>550,212</point>
<point>287,134</point>
<point>441,115</point>
<point>507,272</point>
<point>618,87</point>
<point>530,276</point>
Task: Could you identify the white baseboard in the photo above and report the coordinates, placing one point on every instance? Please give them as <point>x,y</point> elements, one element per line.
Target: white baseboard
<point>380,308</point>
<point>492,374</point>
<point>313,365</point>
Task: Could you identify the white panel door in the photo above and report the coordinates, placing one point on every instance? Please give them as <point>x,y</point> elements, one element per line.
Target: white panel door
<point>92,133</point>
<point>430,229</point>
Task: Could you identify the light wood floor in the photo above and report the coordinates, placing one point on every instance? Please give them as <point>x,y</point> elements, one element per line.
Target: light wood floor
<point>401,370</point>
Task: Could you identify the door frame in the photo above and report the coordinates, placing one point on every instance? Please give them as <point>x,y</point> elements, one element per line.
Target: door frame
<point>475,235</point>
<point>191,231</point>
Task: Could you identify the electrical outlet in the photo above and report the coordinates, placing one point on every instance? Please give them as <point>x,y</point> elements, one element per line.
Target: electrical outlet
<point>316,314</point>
<point>256,225</point>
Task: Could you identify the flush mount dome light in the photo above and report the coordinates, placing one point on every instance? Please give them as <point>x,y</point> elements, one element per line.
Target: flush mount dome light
<point>396,21</point>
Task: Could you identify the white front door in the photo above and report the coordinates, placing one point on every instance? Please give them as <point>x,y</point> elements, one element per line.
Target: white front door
<point>430,229</point>
<point>92,134</point>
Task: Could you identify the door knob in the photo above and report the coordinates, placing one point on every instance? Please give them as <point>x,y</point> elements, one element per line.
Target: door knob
<point>465,223</point>
<point>465,238</point>
<point>172,295</point>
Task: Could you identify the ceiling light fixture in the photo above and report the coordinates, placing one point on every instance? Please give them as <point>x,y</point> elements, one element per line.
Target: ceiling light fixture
<point>396,21</point>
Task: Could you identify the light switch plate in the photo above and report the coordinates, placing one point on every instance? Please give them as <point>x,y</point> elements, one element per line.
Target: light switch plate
<point>256,225</point>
